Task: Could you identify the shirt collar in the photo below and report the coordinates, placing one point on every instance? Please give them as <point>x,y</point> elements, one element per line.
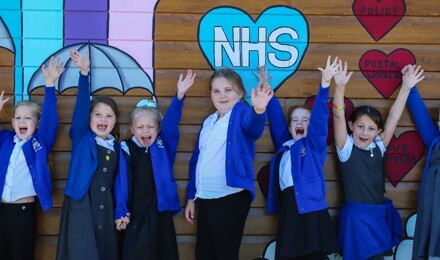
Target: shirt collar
<point>109,143</point>
<point>19,141</point>
<point>289,143</point>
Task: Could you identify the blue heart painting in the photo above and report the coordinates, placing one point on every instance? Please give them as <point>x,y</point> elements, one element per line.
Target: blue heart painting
<point>277,39</point>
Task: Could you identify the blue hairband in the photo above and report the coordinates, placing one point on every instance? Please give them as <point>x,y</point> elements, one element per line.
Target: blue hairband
<point>147,103</point>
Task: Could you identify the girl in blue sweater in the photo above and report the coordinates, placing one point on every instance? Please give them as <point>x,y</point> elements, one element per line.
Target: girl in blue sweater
<point>297,185</point>
<point>426,236</point>
<point>221,168</point>
<point>24,173</point>
<point>87,229</point>
<point>369,224</point>
<point>152,193</point>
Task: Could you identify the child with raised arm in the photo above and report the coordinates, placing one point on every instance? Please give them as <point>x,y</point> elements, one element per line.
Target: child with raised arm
<point>152,199</point>
<point>87,229</point>
<point>221,168</point>
<point>426,238</point>
<point>24,171</point>
<point>296,185</point>
<point>369,224</point>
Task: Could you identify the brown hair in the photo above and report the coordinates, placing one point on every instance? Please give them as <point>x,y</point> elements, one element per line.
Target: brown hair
<point>290,111</point>
<point>112,104</point>
<point>232,77</point>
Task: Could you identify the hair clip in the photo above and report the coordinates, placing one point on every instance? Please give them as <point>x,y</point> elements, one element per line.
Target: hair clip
<point>147,103</point>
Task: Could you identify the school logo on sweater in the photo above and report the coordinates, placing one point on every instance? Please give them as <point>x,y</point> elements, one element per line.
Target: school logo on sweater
<point>160,143</point>
<point>303,150</point>
<point>36,145</point>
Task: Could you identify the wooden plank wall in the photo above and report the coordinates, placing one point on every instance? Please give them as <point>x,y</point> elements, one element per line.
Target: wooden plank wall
<point>333,30</point>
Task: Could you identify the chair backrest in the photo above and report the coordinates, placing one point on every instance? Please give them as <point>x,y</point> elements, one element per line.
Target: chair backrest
<point>269,251</point>
<point>404,249</point>
<point>411,225</point>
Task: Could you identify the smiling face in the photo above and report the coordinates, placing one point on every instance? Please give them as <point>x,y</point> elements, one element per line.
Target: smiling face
<point>364,131</point>
<point>102,120</point>
<point>25,121</point>
<point>145,127</point>
<point>299,123</point>
<point>224,95</point>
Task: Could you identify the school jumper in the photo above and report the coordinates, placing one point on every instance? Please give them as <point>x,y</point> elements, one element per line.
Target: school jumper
<point>245,127</point>
<point>426,236</point>
<point>304,225</point>
<point>220,221</point>
<point>35,150</point>
<point>87,229</point>
<point>153,199</point>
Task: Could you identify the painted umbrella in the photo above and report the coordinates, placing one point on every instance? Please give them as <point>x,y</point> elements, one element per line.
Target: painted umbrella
<point>110,67</point>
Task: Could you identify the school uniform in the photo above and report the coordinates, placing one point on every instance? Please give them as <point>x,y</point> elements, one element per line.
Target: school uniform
<point>18,221</point>
<point>297,186</point>
<point>152,198</point>
<point>426,236</point>
<point>87,229</point>
<point>369,224</point>
<point>221,178</point>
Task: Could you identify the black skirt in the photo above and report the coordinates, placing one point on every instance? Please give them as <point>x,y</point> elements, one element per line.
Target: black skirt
<point>303,234</point>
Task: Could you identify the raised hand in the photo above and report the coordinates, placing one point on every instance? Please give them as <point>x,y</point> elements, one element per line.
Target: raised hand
<point>2,100</point>
<point>263,76</point>
<point>261,97</point>
<point>185,83</point>
<point>53,71</point>
<point>82,61</point>
<point>342,78</point>
<point>412,76</point>
<point>331,69</point>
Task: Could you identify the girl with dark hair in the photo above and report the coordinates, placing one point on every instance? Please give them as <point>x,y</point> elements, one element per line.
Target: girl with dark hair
<point>296,185</point>
<point>369,223</point>
<point>87,229</point>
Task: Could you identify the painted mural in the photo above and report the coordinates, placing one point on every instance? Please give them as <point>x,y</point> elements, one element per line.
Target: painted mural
<point>120,37</point>
<point>118,34</point>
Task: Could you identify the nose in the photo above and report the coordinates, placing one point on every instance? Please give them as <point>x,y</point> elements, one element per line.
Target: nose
<point>365,132</point>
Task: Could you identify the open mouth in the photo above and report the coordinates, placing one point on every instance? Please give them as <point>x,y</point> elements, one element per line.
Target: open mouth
<point>146,140</point>
<point>23,130</point>
<point>299,131</point>
<point>102,127</point>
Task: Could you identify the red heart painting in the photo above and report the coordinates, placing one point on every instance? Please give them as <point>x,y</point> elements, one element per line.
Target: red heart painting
<point>402,154</point>
<point>348,110</point>
<point>379,17</point>
<point>383,71</point>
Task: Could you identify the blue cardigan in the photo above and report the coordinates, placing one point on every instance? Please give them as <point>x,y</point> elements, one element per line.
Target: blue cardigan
<point>35,150</point>
<point>428,130</point>
<point>84,160</point>
<point>245,127</point>
<point>307,156</point>
<point>163,154</point>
